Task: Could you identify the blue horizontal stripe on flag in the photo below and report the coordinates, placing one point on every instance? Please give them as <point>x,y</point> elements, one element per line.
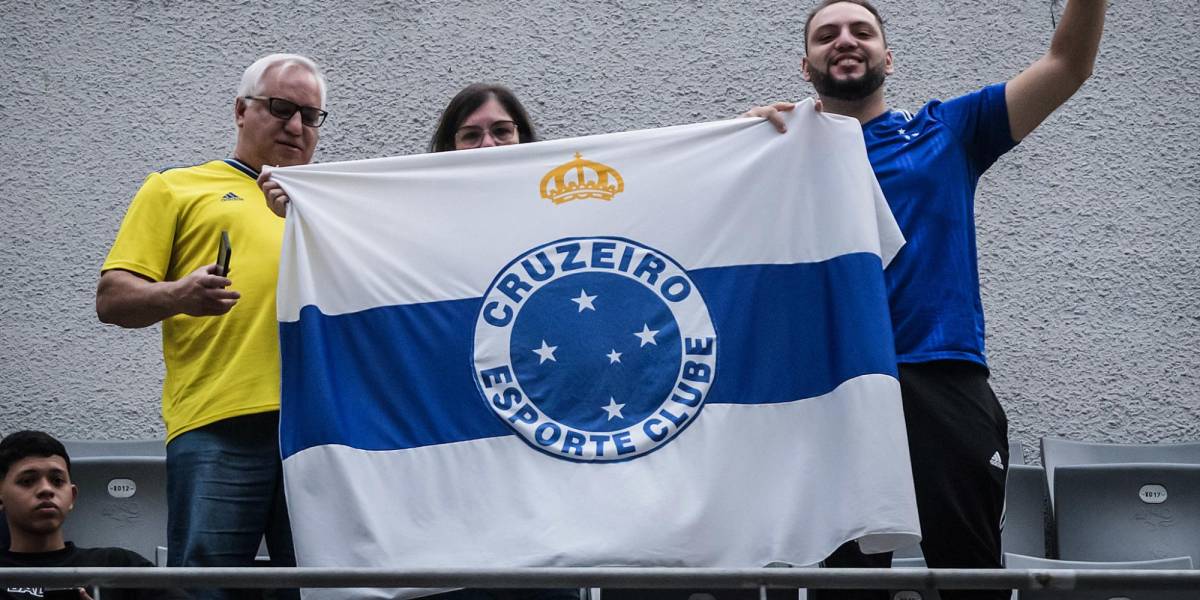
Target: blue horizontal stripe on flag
<point>397,377</point>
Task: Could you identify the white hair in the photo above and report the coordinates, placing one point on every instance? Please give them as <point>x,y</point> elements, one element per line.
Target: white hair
<point>251,84</point>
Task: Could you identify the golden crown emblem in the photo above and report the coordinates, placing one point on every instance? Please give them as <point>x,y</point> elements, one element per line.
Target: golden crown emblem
<point>580,179</point>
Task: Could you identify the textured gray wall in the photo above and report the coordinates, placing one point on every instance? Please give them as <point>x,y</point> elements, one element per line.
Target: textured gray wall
<point>1087,231</point>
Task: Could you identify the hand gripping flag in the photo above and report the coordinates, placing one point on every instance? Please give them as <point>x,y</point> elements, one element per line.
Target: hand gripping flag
<point>659,348</point>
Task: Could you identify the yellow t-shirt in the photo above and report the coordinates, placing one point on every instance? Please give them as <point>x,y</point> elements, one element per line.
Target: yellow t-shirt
<point>217,367</point>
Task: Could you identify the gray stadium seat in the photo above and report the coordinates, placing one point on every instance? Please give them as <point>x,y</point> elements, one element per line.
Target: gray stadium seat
<point>1016,452</point>
<point>1024,511</point>
<point>911,563</point>
<point>1017,561</point>
<point>1057,452</point>
<point>1127,512</point>
<point>122,502</point>
<point>699,594</point>
<point>907,552</point>
<point>83,448</point>
<point>914,595</point>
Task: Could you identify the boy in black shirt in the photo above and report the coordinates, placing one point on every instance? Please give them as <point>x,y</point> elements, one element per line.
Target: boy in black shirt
<point>36,495</point>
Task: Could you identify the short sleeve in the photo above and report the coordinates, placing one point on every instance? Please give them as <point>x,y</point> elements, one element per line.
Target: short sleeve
<point>147,233</point>
<point>980,121</point>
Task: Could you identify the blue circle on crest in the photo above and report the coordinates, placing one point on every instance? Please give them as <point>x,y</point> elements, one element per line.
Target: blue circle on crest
<point>594,349</point>
<point>589,340</point>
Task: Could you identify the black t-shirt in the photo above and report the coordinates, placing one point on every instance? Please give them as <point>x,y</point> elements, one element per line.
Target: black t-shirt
<point>80,557</point>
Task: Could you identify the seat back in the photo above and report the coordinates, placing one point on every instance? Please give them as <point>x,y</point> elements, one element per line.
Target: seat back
<point>1126,512</point>
<point>1017,561</point>
<point>913,551</point>
<point>1057,452</point>
<point>122,502</point>
<point>911,563</point>
<point>1024,511</point>
<point>700,594</point>
<point>1016,452</point>
<point>911,594</point>
<point>85,448</point>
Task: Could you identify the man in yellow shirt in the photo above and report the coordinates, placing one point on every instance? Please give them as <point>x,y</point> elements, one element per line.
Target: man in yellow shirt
<point>220,336</point>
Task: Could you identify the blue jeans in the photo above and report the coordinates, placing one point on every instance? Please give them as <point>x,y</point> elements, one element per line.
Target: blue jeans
<point>224,492</point>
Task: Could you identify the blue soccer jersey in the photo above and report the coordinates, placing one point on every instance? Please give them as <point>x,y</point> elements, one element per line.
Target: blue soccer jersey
<point>928,165</point>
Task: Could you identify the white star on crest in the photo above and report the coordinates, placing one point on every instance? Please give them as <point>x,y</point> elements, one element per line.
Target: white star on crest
<point>584,301</point>
<point>613,409</point>
<point>613,356</point>
<point>545,353</point>
<point>646,335</point>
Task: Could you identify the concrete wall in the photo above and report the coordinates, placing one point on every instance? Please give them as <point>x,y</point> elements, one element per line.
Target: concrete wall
<point>1087,231</point>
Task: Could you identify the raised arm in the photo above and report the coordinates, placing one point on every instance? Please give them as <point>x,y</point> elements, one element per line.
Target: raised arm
<point>130,300</point>
<point>1053,78</point>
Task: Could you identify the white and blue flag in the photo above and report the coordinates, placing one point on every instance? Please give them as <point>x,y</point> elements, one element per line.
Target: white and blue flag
<point>659,348</point>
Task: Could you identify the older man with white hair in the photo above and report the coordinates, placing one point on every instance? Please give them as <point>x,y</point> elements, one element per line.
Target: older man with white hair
<point>220,398</point>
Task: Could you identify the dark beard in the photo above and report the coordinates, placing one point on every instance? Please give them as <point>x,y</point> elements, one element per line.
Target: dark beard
<point>848,89</point>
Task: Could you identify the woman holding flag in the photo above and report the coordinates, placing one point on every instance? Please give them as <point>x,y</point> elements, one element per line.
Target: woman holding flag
<point>481,115</point>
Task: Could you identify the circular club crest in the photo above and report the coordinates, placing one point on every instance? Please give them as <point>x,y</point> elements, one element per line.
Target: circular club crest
<point>594,349</point>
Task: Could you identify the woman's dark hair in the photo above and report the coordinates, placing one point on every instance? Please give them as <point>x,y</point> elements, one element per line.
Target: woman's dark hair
<point>466,102</point>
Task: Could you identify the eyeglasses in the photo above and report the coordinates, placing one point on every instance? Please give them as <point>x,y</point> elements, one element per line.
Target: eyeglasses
<point>284,109</point>
<point>504,132</point>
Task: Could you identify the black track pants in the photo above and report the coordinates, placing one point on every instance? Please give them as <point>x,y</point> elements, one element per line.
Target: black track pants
<point>958,443</point>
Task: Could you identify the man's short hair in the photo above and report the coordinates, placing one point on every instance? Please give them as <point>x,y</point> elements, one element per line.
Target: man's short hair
<point>23,444</point>
<point>826,3</point>
<point>251,84</point>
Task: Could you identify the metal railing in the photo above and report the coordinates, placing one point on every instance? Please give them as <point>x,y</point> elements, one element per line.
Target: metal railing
<point>604,577</point>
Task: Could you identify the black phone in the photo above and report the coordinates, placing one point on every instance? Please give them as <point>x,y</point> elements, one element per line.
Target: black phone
<point>224,252</point>
<point>71,593</point>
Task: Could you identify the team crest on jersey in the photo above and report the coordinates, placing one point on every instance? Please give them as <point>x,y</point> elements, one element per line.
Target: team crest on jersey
<point>594,349</point>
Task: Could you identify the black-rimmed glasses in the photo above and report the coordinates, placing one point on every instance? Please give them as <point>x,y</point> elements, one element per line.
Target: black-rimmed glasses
<point>504,132</point>
<point>284,109</point>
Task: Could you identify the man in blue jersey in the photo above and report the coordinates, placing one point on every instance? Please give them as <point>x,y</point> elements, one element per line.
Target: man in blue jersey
<point>928,165</point>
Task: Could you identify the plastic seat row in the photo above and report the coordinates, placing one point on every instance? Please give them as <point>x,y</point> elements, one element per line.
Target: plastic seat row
<point>1110,506</point>
<point>1017,561</point>
<point>1123,502</point>
<point>1115,502</point>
